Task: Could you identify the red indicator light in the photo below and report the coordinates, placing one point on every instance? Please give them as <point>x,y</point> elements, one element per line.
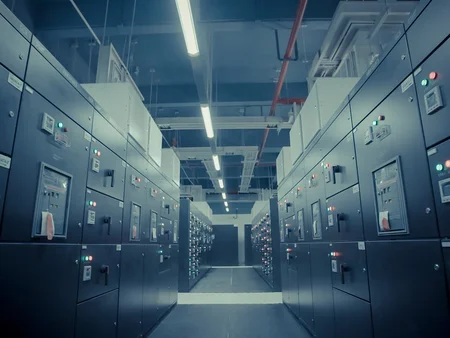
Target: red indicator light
<point>98,153</point>
<point>433,76</point>
<point>66,130</point>
<point>447,164</point>
<point>313,176</point>
<point>381,118</point>
<point>94,204</point>
<point>90,258</point>
<point>138,179</point>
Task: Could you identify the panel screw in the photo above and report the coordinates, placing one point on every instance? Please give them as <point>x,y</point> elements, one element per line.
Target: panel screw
<point>143,254</point>
<point>11,113</point>
<point>326,228</point>
<point>364,269</point>
<point>86,148</point>
<point>21,56</point>
<point>115,323</point>
<point>79,224</point>
<point>410,99</point>
<point>436,267</point>
<point>428,211</point>
<point>90,118</point>
<point>353,157</point>
<point>76,261</point>
<point>403,57</point>
<point>118,265</point>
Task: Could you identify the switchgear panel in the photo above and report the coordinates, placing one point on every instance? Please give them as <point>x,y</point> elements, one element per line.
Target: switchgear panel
<point>103,219</point>
<point>52,203</point>
<point>135,222</point>
<point>99,270</point>
<point>439,161</point>
<point>432,84</point>
<point>390,199</point>
<point>106,171</point>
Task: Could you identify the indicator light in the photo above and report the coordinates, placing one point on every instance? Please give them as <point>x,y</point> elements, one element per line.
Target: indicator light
<point>424,83</point>
<point>433,76</point>
<point>314,176</point>
<point>439,167</point>
<point>91,202</point>
<point>95,151</point>
<point>60,125</point>
<point>91,258</point>
<point>98,153</point>
<point>375,123</point>
<point>66,130</point>
<point>447,164</point>
<point>381,118</point>
<point>94,204</point>
<point>86,258</point>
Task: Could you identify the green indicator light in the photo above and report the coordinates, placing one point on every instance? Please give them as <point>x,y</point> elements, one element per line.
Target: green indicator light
<point>91,203</point>
<point>439,167</point>
<point>60,125</point>
<point>375,123</point>
<point>424,82</point>
<point>95,151</point>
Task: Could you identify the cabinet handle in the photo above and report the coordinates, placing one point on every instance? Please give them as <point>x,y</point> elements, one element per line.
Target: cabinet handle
<point>339,218</point>
<point>105,270</point>
<point>111,174</point>
<point>335,169</point>
<point>343,269</point>
<point>108,220</point>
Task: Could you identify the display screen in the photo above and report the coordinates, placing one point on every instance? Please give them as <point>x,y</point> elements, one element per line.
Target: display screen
<point>431,99</point>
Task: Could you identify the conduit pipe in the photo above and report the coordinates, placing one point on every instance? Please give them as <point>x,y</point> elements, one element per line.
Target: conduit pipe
<point>290,47</point>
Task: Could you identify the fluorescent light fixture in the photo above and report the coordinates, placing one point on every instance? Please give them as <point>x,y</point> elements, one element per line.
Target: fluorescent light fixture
<point>228,210</point>
<point>206,113</point>
<point>221,183</point>
<point>188,27</point>
<point>226,204</point>
<point>216,163</point>
<point>224,196</point>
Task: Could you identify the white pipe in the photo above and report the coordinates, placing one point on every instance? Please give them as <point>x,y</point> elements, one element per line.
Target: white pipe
<point>85,22</point>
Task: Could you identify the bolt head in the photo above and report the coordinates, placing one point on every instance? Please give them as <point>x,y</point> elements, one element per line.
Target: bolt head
<point>11,113</point>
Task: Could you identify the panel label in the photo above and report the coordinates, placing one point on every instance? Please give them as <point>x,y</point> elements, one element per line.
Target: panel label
<point>356,189</point>
<point>118,247</point>
<point>334,265</point>
<point>432,151</point>
<point>124,164</point>
<point>361,246</point>
<point>121,205</point>
<point>84,247</point>
<point>29,89</point>
<point>87,136</point>
<point>15,82</point>
<point>446,244</point>
<point>417,71</point>
<point>5,161</point>
<point>161,258</point>
<point>330,220</point>
<point>407,83</point>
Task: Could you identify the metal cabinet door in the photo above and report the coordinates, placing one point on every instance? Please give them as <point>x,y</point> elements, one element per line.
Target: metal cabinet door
<point>340,167</point>
<point>381,146</point>
<point>99,270</point>
<point>352,316</point>
<point>130,296</point>
<point>300,205</point>
<point>407,285</point>
<point>64,148</point>
<point>103,219</point>
<point>284,271</point>
<point>3,181</point>
<point>150,287</point>
<point>389,74</point>
<point>322,289</point>
<point>97,317</point>
<point>304,290</point>
<point>316,205</point>
<point>174,256</point>
<point>344,216</point>
<point>109,136</point>
<point>438,159</point>
<point>107,171</point>
<point>349,268</point>
<point>9,109</point>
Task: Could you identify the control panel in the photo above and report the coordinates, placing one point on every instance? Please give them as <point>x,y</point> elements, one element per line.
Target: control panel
<point>200,243</point>
<point>135,222</point>
<point>390,206</point>
<point>261,234</point>
<point>52,203</point>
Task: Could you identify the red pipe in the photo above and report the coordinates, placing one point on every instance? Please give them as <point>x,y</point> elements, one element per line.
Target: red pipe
<point>291,101</point>
<point>290,47</point>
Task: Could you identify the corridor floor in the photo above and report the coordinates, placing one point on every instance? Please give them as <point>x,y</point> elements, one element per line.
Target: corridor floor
<point>230,303</point>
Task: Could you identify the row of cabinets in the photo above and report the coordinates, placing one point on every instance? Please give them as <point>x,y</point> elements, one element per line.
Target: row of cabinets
<point>363,289</point>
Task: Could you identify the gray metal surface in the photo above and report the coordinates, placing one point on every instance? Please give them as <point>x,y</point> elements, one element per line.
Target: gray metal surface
<point>225,249</point>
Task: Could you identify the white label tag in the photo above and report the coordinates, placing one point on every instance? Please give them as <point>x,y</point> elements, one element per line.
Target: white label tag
<point>446,244</point>
<point>432,151</point>
<point>124,164</point>
<point>87,136</point>
<point>407,83</point>
<point>356,189</point>
<point>118,247</point>
<point>287,256</point>
<point>417,71</point>
<point>361,246</point>
<point>330,220</point>
<point>161,258</point>
<point>15,82</point>
<point>84,247</point>
<point>29,89</point>
<point>5,161</point>
<point>120,204</point>
<point>334,265</point>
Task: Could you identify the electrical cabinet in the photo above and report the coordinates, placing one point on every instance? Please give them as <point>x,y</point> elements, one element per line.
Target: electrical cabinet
<point>4,172</point>
<point>407,285</point>
<point>103,131</point>
<point>322,290</point>
<point>284,272</point>
<point>134,211</point>
<point>439,161</point>
<point>51,170</point>
<point>14,51</point>
<point>52,269</point>
<point>99,270</point>
<point>352,316</point>
<point>11,88</point>
<point>395,67</point>
<point>103,219</point>
<point>315,196</point>
<point>44,77</point>
<point>107,171</point>
<point>163,277</point>
<point>349,268</point>
<point>97,317</point>
<point>389,171</point>
<point>344,216</point>
<point>339,167</point>
<point>428,31</point>
<point>130,295</point>
<point>433,91</point>
<point>305,299</point>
